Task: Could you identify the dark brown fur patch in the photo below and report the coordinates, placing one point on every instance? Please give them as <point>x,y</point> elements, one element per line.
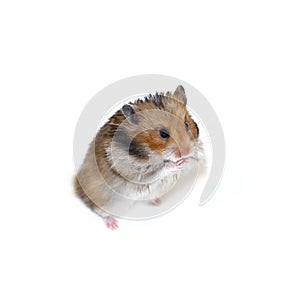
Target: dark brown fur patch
<point>134,147</point>
<point>138,151</point>
<point>193,127</point>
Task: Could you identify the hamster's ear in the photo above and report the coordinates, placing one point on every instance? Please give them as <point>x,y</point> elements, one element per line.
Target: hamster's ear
<point>129,113</point>
<point>180,94</point>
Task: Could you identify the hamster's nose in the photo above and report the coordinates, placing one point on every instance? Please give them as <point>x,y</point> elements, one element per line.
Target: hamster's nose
<point>185,151</point>
<point>182,151</point>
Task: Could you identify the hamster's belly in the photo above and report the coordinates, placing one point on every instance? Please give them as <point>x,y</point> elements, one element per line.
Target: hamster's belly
<point>146,191</point>
<point>162,186</point>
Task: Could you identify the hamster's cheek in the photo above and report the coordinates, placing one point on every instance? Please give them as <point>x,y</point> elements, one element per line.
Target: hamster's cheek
<point>156,158</point>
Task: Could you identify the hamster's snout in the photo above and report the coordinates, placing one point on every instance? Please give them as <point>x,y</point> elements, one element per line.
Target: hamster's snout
<point>182,151</point>
<point>185,151</point>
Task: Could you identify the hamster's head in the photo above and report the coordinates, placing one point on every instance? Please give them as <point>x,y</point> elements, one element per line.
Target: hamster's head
<point>160,128</point>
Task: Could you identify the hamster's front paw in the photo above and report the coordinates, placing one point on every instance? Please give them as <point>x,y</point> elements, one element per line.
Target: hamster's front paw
<point>175,166</point>
<point>111,222</point>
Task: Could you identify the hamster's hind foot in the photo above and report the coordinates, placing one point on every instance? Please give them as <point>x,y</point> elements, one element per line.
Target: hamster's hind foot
<point>155,202</point>
<point>110,222</point>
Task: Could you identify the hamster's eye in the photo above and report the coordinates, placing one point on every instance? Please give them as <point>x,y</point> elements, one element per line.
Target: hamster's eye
<point>164,133</point>
<point>186,126</point>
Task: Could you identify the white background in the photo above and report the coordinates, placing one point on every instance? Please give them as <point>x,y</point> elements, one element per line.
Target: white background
<point>242,55</point>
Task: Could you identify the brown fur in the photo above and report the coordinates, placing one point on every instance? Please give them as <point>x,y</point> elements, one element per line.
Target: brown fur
<point>79,191</point>
<point>97,170</point>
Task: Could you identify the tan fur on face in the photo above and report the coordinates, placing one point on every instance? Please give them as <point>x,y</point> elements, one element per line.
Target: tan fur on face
<point>172,117</point>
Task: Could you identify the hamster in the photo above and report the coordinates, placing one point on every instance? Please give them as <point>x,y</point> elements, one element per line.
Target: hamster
<point>139,152</point>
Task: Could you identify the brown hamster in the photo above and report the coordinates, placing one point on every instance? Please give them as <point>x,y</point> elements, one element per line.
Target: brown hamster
<point>138,152</point>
